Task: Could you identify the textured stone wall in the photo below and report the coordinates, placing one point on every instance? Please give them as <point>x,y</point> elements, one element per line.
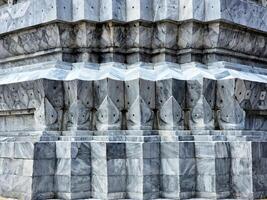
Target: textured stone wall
<point>123,99</point>
<point>138,104</point>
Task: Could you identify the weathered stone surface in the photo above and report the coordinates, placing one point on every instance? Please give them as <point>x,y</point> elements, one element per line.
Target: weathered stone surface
<point>133,99</point>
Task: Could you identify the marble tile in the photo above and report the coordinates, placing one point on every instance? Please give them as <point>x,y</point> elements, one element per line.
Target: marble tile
<point>7,149</point>
<point>169,150</point>
<point>62,183</point>
<point>63,167</point>
<point>45,150</point>
<point>242,185</point>
<point>43,184</point>
<point>81,166</point>
<point>98,150</point>
<point>135,184</point>
<point>169,166</point>
<point>12,166</point>
<point>99,167</point>
<point>241,166</point>
<point>134,167</point>
<point>187,183</point>
<point>187,167</point>
<point>134,150</point>
<point>116,151</point>
<point>63,149</point>
<point>170,184</point>
<point>116,167</point>
<point>80,184</point>
<point>150,150</point>
<point>24,150</point>
<point>22,184</point>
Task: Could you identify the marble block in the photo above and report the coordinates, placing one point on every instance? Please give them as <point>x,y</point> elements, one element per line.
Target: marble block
<point>72,174</point>
<point>170,102</point>
<point>108,167</point>
<point>213,166</point>
<point>177,170</point>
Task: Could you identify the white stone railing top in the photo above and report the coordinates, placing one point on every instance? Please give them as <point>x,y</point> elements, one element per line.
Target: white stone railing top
<point>55,70</point>
<point>29,13</point>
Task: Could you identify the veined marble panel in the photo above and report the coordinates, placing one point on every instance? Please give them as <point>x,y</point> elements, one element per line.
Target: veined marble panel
<point>127,99</point>
<point>26,13</point>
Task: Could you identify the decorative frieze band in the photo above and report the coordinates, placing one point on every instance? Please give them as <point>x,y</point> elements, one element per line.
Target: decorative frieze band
<point>138,104</point>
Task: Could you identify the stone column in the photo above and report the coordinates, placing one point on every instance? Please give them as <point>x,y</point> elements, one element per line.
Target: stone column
<point>249,173</point>
<point>213,169</point>
<point>73,170</point>
<point>143,165</point>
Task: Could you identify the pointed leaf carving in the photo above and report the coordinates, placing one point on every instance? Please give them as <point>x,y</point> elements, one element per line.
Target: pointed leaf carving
<point>50,113</point>
<point>139,112</point>
<point>171,111</point>
<point>108,113</point>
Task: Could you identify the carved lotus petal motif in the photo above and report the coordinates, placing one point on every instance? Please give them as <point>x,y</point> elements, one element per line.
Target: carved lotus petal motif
<point>3,106</point>
<point>258,123</point>
<point>197,113</point>
<point>108,112</point>
<point>33,100</point>
<point>139,112</point>
<point>78,114</point>
<point>232,114</point>
<point>83,113</point>
<point>171,111</point>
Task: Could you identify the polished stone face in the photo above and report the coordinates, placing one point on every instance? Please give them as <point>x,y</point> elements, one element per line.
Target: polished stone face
<point>133,99</point>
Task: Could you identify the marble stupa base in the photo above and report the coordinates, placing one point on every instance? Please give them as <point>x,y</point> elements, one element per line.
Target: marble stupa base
<point>123,166</point>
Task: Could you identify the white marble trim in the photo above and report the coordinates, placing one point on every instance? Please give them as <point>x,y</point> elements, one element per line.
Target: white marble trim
<point>91,71</point>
